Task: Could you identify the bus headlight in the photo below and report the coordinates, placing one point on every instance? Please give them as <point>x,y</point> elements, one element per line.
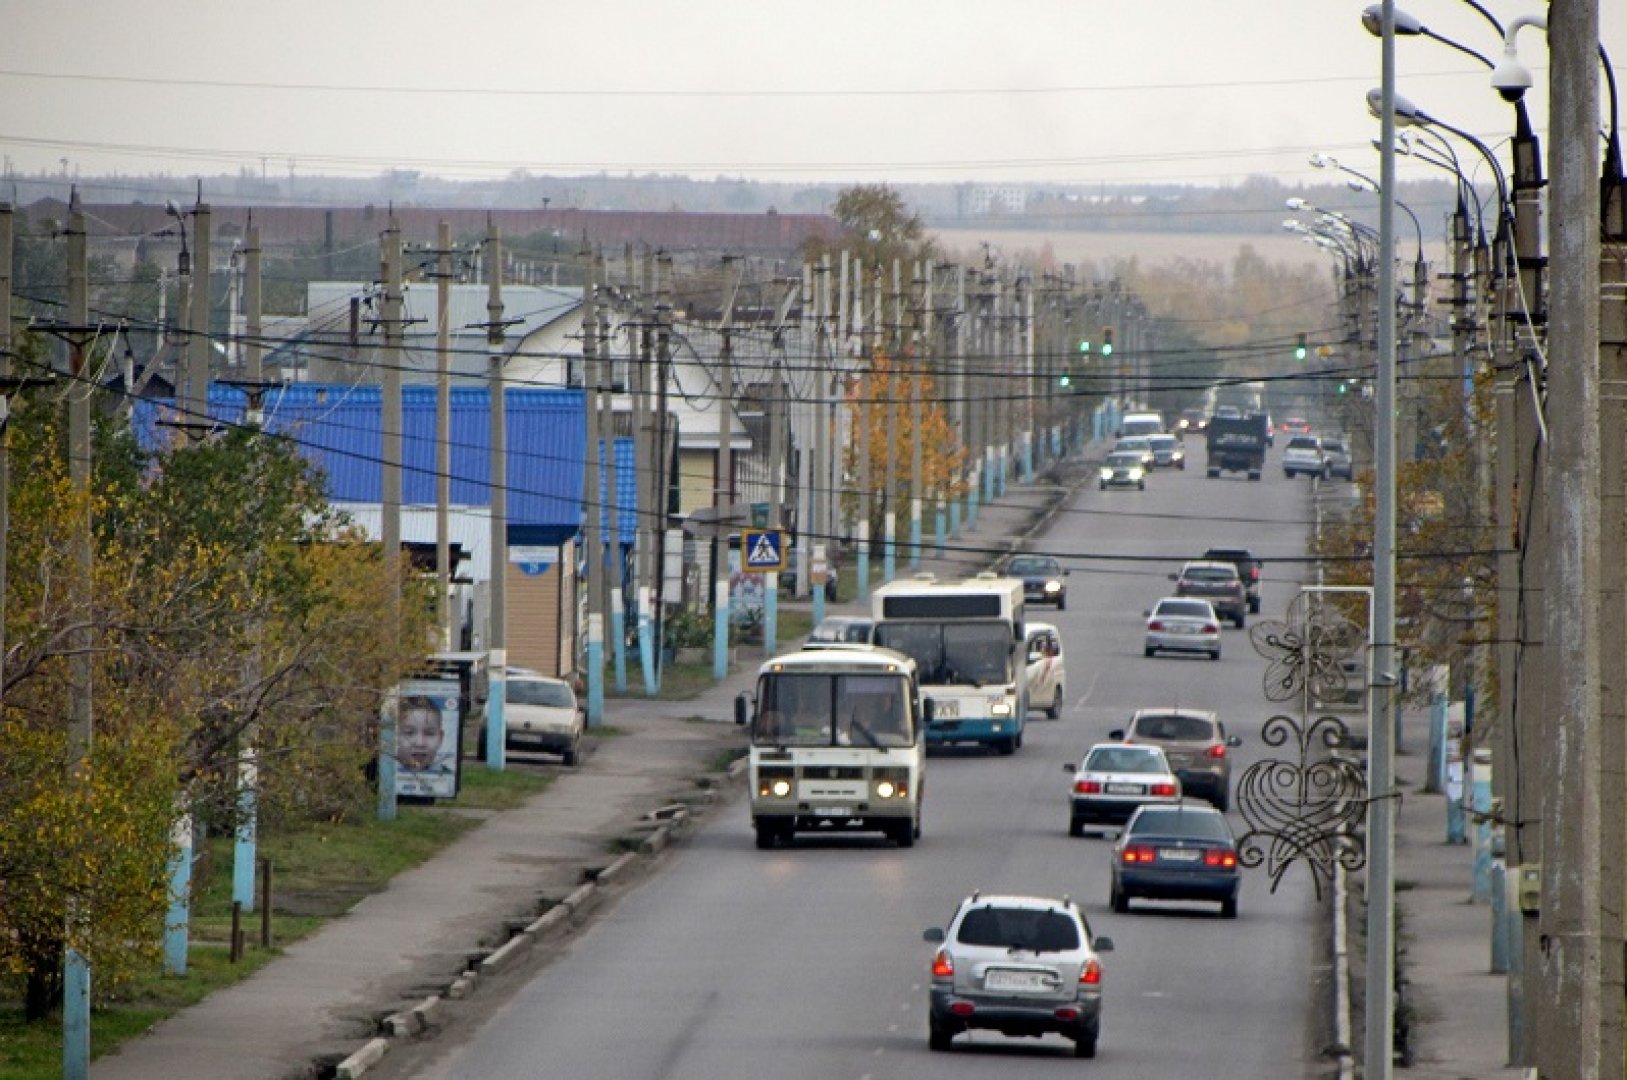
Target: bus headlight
<point>780,789</point>
<point>1000,708</point>
<point>885,789</point>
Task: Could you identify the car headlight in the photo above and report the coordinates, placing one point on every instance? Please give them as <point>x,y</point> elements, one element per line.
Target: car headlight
<point>1000,708</point>
<point>1107,474</point>
<point>1053,586</point>
<point>1135,473</point>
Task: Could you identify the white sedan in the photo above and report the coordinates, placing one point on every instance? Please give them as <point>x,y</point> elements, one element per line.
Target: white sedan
<point>1114,781</point>
<point>542,714</point>
<point>1183,624</point>
<point>1047,674</point>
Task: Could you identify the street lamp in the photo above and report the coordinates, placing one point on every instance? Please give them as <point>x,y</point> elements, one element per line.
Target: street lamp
<point>1363,182</point>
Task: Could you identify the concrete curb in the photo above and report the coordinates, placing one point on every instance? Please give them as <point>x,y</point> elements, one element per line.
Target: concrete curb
<point>1341,974</point>
<point>615,869</point>
<point>362,1060</point>
<point>504,954</point>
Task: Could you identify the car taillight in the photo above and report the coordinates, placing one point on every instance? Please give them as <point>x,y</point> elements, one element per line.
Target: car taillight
<point>1211,628</point>
<point>1091,973</point>
<point>1215,857</point>
<point>1088,787</point>
<point>1138,853</point>
<point>1217,751</point>
<point>1163,789</point>
<point>943,965</point>
<point>1254,574</point>
<point>1156,627</point>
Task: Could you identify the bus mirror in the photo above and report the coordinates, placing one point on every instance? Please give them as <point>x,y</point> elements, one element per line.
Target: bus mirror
<point>742,708</point>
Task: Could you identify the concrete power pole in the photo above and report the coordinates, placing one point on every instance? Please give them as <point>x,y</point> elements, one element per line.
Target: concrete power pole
<point>723,499</point>
<point>820,492</point>
<point>592,501</point>
<point>649,500</point>
<point>919,292</point>
<point>1570,923</point>
<point>617,568</point>
<point>200,345</point>
<point>497,632</point>
<point>443,432</point>
<point>390,485</point>
<point>866,407</point>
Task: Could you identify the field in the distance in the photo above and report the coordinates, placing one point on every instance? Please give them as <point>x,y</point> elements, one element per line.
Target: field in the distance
<point>1106,248</point>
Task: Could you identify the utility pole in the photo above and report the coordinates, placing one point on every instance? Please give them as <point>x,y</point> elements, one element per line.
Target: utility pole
<point>889,497</point>
<point>866,404</point>
<point>592,481</point>
<point>648,475</point>
<point>776,485</point>
<point>615,556</point>
<point>1571,922</point>
<point>663,440</point>
<point>820,493</point>
<point>199,345</point>
<point>723,499</point>
<point>390,487</point>
<point>920,293</point>
<point>76,967</point>
<point>443,431</point>
<point>497,466</point>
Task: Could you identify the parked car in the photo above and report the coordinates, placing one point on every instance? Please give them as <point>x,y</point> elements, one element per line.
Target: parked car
<point>1182,624</point>
<point>1303,457</point>
<point>1043,579</point>
<point>1196,745</point>
<point>1114,780</point>
<point>1336,456</point>
<point>1181,852</point>
<point>1140,444</point>
<point>835,631</point>
<point>1124,469</point>
<point>1248,568</point>
<point>1047,671</point>
<point>1218,583</point>
<point>1167,452</point>
<point>541,714</point>
<point>1025,966</point>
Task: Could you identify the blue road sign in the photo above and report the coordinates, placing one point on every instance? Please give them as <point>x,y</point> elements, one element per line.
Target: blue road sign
<point>764,549</point>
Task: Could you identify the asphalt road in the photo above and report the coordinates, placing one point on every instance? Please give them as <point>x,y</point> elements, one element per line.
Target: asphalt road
<point>737,964</point>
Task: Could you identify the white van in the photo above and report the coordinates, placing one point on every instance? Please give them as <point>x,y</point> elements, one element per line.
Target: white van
<point>1141,423</point>
<point>1047,674</point>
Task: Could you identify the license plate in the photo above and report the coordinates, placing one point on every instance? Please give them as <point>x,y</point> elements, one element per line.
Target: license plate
<point>1179,855</point>
<point>1124,789</point>
<point>833,811</point>
<point>946,710</point>
<point>1021,981</point>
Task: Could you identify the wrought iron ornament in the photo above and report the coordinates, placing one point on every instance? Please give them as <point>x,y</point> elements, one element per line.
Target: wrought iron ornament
<point>1307,808</point>
<point>1308,647</point>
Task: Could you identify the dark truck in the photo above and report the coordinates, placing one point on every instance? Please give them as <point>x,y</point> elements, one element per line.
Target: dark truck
<point>1236,444</point>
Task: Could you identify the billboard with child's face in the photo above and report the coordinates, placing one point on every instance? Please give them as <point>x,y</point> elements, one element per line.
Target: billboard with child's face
<point>428,732</point>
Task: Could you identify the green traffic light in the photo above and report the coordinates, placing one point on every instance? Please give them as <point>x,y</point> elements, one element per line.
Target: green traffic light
<point>1084,346</point>
<point>1065,379</point>
<point>1107,348</point>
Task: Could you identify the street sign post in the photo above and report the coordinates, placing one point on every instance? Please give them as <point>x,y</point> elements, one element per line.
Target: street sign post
<point>764,549</point>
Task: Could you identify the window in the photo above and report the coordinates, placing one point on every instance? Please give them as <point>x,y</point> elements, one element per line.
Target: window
<point>553,695</point>
<point>1190,823</point>
<point>1019,928</point>
<point>1124,759</point>
<point>1173,726</point>
<point>1184,609</point>
<point>867,710</point>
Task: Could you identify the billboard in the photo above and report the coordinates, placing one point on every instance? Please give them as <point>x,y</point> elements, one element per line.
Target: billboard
<point>429,733</point>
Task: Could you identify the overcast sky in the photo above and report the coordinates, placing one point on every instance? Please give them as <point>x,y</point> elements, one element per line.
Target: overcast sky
<point>1196,91</point>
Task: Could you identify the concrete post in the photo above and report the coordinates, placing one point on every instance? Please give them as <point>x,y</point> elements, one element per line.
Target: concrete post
<point>497,633</point>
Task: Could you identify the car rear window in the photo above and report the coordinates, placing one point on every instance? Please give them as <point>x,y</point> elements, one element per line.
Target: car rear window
<point>1211,573</point>
<point>1191,823</point>
<point>535,692</point>
<point>1185,609</point>
<point>1019,928</point>
<point>1302,442</point>
<point>1172,727</point>
<point>1124,759</point>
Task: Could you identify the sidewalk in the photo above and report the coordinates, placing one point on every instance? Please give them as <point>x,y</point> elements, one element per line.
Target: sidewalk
<point>1457,1009</point>
<point>324,998</point>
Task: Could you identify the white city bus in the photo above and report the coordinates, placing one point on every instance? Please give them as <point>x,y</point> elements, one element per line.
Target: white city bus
<point>967,640</point>
<point>837,745</point>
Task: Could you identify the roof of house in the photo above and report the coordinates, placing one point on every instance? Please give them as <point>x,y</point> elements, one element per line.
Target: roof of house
<point>338,428</point>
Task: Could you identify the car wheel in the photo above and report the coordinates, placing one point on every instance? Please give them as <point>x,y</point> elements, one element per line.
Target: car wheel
<point>1062,603</point>
<point>1254,474</point>
<point>1076,827</point>
<point>1104,485</point>
<point>1055,711</point>
<point>1006,747</point>
<point>1254,605</point>
<point>1141,486</point>
<point>1120,902</point>
<point>1240,620</point>
<point>767,833</point>
<point>1222,799</point>
<point>1085,1046</point>
<point>1150,651</point>
<point>1228,908</point>
<point>1214,474</point>
<point>904,834</point>
<point>569,757</point>
<point>1287,475</point>
<point>937,1038</point>
<point>1215,655</point>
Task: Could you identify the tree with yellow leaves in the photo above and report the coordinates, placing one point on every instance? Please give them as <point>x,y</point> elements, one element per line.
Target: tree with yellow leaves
<point>882,395</point>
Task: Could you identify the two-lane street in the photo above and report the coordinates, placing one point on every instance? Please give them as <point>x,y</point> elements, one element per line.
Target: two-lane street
<point>807,962</point>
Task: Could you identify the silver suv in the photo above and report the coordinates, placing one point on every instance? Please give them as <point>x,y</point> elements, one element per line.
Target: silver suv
<point>1304,457</point>
<point>1024,966</point>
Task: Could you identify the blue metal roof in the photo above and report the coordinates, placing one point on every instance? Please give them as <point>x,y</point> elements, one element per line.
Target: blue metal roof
<point>338,428</point>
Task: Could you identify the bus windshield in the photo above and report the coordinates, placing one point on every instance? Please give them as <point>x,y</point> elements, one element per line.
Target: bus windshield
<point>815,709</point>
<point>952,654</point>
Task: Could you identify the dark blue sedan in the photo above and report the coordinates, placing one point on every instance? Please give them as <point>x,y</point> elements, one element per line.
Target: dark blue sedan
<point>1180,852</point>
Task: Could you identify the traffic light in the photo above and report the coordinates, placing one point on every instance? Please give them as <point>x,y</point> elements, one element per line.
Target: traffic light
<point>1084,346</point>
<point>1300,349</point>
<point>1107,341</point>
<point>1343,386</point>
<point>1065,379</point>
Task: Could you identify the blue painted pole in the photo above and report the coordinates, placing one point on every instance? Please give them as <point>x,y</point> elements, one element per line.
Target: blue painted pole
<point>1437,741</point>
<point>75,1016</point>
<point>864,561</point>
<point>1028,457</point>
<point>387,761</point>
<point>496,699</point>
<point>646,640</point>
<point>595,672</point>
<point>819,558</point>
<point>618,638</point>
<point>1481,794</point>
<point>974,489</point>
<point>177,924</point>
<point>720,627</point>
<point>771,611</point>
<point>915,532</point>
<point>889,545</point>
<point>243,846</point>
<point>1499,917</point>
<point>1454,802</point>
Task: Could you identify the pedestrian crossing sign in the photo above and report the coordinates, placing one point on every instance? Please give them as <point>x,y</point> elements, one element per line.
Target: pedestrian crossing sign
<point>764,549</point>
